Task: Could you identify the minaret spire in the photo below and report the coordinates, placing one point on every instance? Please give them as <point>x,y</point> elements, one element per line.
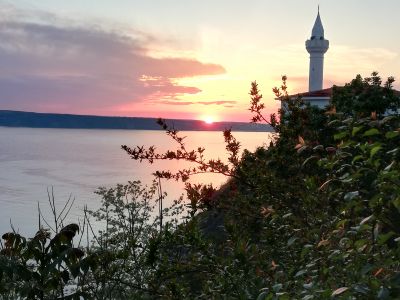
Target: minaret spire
<point>317,45</point>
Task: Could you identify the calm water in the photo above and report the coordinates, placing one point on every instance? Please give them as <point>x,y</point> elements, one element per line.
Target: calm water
<point>75,162</point>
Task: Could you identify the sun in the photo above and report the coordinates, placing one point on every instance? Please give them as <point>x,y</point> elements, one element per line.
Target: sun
<point>208,120</point>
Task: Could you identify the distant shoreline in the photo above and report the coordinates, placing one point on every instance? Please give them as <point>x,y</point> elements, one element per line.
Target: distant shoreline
<point>9,118</point>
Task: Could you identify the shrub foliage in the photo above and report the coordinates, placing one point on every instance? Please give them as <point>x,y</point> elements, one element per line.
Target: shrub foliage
<point>316,215</point>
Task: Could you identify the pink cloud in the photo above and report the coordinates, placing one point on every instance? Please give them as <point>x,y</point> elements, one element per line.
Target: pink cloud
<point>178,67</point>
<point>52,67</point>
<point>226,103</point>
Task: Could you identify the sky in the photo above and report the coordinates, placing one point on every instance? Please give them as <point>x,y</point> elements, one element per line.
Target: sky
<point>182,58</point>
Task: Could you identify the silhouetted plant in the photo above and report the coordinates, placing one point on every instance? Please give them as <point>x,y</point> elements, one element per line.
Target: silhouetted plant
<point>361,97</point>
<point>313,216</point>
<point>41,267</point>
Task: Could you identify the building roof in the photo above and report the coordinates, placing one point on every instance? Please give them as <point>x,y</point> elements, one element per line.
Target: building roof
<point>316,94</point>
<point>318,29</point>
<point>325,93</point>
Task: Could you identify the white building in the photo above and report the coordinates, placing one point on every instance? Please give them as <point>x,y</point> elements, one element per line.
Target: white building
<point>317,46</point>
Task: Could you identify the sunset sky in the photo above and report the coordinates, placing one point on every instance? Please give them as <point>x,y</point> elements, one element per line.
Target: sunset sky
<point>182,59</point>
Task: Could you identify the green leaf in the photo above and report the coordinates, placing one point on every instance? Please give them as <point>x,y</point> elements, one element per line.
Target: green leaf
<point>383,293</point>
<point>365,220</point>
<point>302,149</point>
<point>348,120</point>
<point>291,241</point>
<point>371,132</point>
<point>387,119</point>
<point>356,129</point>
<point>262,295</point>
<point>360,243</point>
<point>361,288</point>
<point>376,231</point>
<point>65,276</point>
<point>339,291</point>
<point>277,287</point>
<point>383,238</point>
<point>309,159</point>
<point>341,223</point>
<point>395,280</point>
<point>340,135</point>
<point>375,150</point>
<point>391,134</point>
<point>308,285</point>
<point>388,167</point>
<point>393,151</point>
<point>319,148</point>
<point>366,269</point>
<point>75,270</point>
<point>301,272</point>
<point>351,195</point>
<point>334,122</point>
<point>357,158</point>
<point>283,296</point>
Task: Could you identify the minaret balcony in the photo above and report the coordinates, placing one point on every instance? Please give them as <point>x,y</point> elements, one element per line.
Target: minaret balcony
<point>317,46</point>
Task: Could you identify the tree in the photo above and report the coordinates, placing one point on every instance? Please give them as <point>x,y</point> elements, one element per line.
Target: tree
<point>313,216</point>
<point>361,97</point>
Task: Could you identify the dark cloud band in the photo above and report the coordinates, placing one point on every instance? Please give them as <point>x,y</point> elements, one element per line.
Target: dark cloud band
<point>45,64</point>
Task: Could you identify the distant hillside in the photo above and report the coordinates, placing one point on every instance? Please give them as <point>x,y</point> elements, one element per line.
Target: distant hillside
<point>44,120</point>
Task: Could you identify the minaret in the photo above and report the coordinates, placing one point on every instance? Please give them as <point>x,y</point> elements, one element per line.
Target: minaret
<point>317,45</point>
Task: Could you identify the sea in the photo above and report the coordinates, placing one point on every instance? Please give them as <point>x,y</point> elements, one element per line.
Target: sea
<point>37,163</point>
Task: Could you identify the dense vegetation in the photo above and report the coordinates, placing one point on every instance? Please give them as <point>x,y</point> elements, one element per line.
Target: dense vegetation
<point>316,215</point>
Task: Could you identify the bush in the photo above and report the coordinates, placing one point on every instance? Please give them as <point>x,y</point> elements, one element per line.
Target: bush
<point>313,216</point>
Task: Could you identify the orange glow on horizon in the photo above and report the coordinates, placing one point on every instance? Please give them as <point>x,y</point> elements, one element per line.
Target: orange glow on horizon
<point>208,120</point>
